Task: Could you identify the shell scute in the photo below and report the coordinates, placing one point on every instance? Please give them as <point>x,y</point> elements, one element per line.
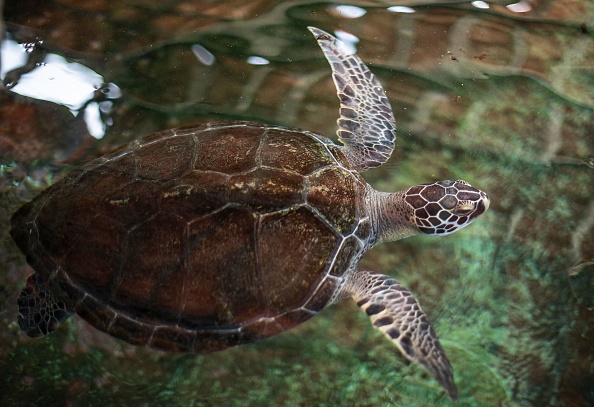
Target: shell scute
<point>220,286</point>
<point>62,222</point>
<point>102,178</point>
<point>175,155</point>
<point>96,313</point>
<point>333,191</point>
<point>130,204</point>
<point>174,338</point>
<point>228,152</point>
<point>149,263</point>
<point>293,152</point>
<point>92,258</point>
<point>212,341</point>
<point>293,247</point>
<point>265,327</point>
<point>195,194</point>
<point>121,326</point>
<point>266,189</point>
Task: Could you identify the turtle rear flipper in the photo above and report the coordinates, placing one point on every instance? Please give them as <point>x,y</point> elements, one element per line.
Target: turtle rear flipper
<point>394,311</point>
<point>40,313</point>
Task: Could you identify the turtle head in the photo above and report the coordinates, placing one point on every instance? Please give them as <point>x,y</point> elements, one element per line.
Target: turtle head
<point>443,207</point>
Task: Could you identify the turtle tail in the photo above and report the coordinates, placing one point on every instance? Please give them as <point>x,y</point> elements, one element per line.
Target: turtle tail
<point>40,313</point>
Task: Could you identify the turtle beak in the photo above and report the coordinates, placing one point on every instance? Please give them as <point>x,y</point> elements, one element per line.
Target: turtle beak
<point>482,206</point>
<point>485,200</point>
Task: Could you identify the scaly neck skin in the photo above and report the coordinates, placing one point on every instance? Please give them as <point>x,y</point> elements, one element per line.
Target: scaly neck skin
<point>391,215</point>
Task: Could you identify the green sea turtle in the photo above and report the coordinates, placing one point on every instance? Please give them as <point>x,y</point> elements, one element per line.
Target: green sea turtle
<point>202,238</point>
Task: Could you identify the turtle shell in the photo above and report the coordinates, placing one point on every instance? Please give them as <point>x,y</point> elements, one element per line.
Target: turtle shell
<point>200,238</point>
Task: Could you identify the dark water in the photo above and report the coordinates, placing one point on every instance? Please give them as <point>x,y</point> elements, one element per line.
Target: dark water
<point>501,95</point>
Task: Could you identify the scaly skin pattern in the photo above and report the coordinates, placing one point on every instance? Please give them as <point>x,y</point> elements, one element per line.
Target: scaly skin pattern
<point>439,208</point>
<point>395,312</point>
<point>366,124</point>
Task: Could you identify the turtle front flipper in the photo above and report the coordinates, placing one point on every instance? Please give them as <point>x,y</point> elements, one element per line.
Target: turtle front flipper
<point>394,311</point>
<point>366,124</point>
<point>40,313</point>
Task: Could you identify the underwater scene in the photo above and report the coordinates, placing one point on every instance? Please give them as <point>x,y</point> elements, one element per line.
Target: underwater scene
<point>499,94</point>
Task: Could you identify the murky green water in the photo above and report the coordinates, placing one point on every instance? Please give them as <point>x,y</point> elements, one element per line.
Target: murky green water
<point>502,97</point>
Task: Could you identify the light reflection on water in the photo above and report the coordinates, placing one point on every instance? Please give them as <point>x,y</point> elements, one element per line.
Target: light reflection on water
<point>54,79</point>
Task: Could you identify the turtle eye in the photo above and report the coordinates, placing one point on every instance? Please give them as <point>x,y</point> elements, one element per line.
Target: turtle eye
<point>463,210</point>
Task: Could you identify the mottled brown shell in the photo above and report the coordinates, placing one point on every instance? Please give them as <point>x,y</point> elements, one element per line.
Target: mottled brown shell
<point>200,238</point>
